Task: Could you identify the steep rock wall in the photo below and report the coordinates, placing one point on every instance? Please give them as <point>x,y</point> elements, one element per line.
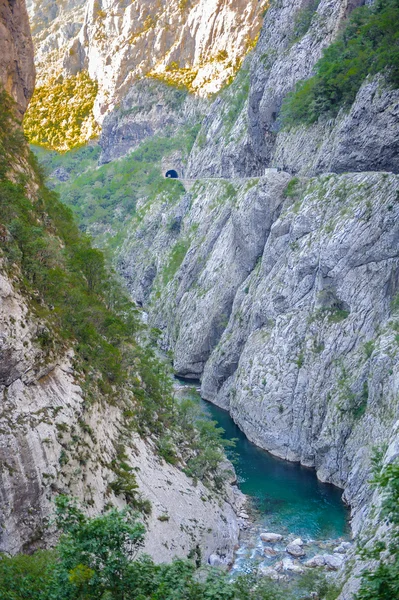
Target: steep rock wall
<point>150,107</point>
<point>364,138</point>
<point>17,71</point>
<point>52,438</point>
<point>282,304</point>
<point>52,441</point>
<point>199,43</point>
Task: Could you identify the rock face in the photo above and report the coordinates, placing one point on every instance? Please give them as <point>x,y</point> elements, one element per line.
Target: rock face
<point>365,138</point>
<point>199,42</point>
<point>17,71</point>
<point>279,293</point>
<point>283,302</point>
<point>48,446</point>
<point>151,107</point>
<point>282,306</point>
<point>51,439</point>
<point>54,24</point>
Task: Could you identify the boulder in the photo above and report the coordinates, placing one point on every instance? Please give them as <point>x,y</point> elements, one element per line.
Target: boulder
<point>298,542</point>
<point>271,537</point>
<point>289,565</point>
<point>265,571</point>
<point>269,551</point>
<point>217,561</point>
<point>343,547</point>
<point>295,550</point>
<point>315,561</point>
<point>333,561</point>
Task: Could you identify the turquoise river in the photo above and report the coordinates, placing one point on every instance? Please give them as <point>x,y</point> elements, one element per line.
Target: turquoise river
<point>287,498</point>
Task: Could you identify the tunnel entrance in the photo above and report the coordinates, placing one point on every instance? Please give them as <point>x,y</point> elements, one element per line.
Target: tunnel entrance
<point>172,174</point>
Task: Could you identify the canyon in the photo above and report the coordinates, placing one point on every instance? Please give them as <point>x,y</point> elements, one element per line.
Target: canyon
<point>269,270</point>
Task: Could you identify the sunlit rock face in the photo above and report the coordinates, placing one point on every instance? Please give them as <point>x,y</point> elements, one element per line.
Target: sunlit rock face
<point>17,71</point>
<point>199,43</point>
<point>54,24</point>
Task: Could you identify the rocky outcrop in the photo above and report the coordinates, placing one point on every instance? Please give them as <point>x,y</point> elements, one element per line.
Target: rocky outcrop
<point>282,305</point>
<point>364,138</point>
<point>279,293</point>
<point>17,71</point>
<point>54,25</point>
<point>200,43</point>
<point>52,441</point>
<point>150,107</point>
<point>52,438</point>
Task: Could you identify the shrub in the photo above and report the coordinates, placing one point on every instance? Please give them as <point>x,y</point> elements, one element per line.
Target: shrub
<point>60,114</point>
<point>380,582</point>
<point>303,19</point>
<point>292,189</point>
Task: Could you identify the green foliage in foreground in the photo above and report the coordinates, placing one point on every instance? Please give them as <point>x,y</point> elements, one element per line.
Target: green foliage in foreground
<point>96,559</point>
<point>369,44</point>
<point>382,581</point>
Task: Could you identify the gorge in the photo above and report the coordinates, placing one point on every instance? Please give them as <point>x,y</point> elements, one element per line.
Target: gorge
<point>268,269</point>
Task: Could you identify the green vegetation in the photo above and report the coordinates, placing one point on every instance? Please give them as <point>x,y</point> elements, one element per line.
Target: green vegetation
<point>235,96</point>
<point>293,188</point>
<point>369,44</point>
<point>336,315</point>
<point>80,304</point>
<point>65,279</point>
<point>104,199</point>
<point>176,258</point>
<point>96,559</point>
<point>381,581</point>
<point>369,348</point>
<point>60,114</point>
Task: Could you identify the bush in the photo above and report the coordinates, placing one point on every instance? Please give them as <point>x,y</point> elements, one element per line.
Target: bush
<point>60,114</point>
<point>96,559</point>
<point>381,582</point>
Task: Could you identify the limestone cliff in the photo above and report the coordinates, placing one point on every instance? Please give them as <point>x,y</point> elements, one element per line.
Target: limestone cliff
<point>279,292</point>
<point>17,71</point>
<point>199,44</point>
<point>282,306</point>
<point>284,298</point>
<point>249,138</point>
<point>55,436</point>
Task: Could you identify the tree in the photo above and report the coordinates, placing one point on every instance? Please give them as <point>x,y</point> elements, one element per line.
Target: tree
<point>94,553</point>
<point>382,582</point>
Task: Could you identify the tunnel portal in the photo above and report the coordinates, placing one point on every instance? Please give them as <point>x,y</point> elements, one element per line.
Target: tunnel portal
<point>171,174</point>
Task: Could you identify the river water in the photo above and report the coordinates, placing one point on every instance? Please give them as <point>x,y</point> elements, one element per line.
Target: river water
<point>287,498</point>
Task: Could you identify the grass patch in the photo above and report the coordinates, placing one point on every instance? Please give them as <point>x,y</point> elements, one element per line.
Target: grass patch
<point>176,258</point>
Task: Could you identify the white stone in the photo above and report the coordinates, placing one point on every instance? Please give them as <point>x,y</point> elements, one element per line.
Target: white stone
<point>333,561</point>
<point>271,537</point>
<point>298,542</point>
<point>295,550</point>
<point>315,561</point>
<point>343,547</point>
<point>265,571</point>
